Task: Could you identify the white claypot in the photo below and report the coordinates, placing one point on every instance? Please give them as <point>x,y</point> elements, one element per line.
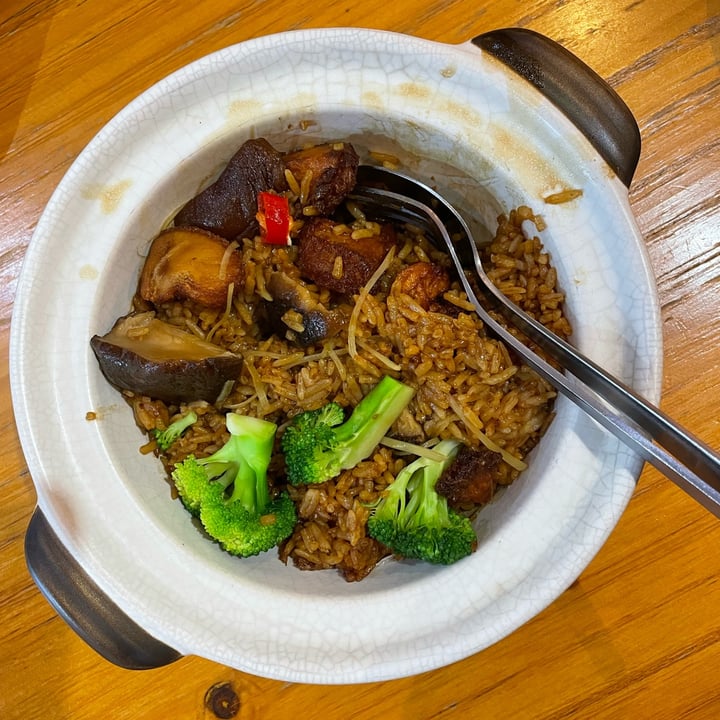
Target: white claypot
<point>504,120</point>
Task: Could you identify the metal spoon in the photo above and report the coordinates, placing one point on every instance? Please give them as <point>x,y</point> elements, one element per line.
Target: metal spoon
<point>679,455</point>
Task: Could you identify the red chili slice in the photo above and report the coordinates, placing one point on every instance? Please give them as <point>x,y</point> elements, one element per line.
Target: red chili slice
<point>274,218</point>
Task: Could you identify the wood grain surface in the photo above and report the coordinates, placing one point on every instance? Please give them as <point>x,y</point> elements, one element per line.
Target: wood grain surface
<point>638,635</point>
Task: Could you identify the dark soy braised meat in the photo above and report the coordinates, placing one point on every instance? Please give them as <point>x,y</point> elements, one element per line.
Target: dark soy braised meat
<point>470,480</point>
<point>424,282</point>
<point>330,257</point>
<point>228,206</point>
<point>331,172</point>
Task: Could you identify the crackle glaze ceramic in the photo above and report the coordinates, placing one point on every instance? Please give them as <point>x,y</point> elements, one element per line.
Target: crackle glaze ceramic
<point>489,140</point>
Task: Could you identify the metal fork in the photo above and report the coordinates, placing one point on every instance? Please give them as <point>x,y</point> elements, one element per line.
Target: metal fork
<point>679,455</point>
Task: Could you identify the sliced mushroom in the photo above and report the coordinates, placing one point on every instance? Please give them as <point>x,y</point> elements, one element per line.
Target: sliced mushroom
<point>294,312</point>
<point>190,264</point>
<point>151,357</point>
<point>326,174</point>
<point>228,206</point>
<point>331,257</point>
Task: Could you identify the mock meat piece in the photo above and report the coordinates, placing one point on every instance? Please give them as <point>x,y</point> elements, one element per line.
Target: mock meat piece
<point>424,282</point>
<point>471,479</point>
<point>326,173</point>
<point>331,257</point>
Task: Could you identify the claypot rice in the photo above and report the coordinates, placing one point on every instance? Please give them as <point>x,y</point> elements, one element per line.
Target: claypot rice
<point>468,385</point>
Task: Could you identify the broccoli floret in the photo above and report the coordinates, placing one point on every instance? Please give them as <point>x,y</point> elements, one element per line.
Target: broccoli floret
<point>245,532</point>
<point>318,445</point>
<point>165,438</point>
<point>414,521</point>
<point>192,483</point>
<point>229,491</point>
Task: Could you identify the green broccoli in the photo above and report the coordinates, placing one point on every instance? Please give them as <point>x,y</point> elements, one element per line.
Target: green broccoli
<point>318,445</point>
<point>414,521</point>
<point>192,482</point>
<point>165,438</point>
<point>229,491</point>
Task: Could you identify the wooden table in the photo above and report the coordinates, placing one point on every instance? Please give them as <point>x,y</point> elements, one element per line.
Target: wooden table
<point>638,635</point>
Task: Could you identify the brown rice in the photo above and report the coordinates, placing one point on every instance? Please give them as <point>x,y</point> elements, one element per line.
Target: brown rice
<point>469,385</point>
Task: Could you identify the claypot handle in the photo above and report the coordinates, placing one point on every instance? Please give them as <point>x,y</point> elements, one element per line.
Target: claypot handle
<point>84,606</point>
<point>579,92</point>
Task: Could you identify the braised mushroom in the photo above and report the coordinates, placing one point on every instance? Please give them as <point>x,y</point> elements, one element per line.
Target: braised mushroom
<point>190,264</point>
<point>297,315</point>
<point>228,206</point>
<point>151,357</point>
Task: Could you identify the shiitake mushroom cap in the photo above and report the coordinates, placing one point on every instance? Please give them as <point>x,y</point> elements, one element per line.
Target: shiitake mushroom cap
<point>151,357</point>
<point>187,263</point>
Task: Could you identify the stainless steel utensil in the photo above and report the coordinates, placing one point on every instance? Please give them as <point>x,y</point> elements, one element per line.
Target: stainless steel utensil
<point>683,458</point>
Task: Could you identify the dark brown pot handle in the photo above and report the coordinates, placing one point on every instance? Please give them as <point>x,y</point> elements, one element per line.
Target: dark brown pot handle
<point>583,96</point>
<point>84,606</point>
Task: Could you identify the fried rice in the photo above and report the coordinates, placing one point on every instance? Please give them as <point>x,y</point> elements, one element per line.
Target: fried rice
<point>468,384</point>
